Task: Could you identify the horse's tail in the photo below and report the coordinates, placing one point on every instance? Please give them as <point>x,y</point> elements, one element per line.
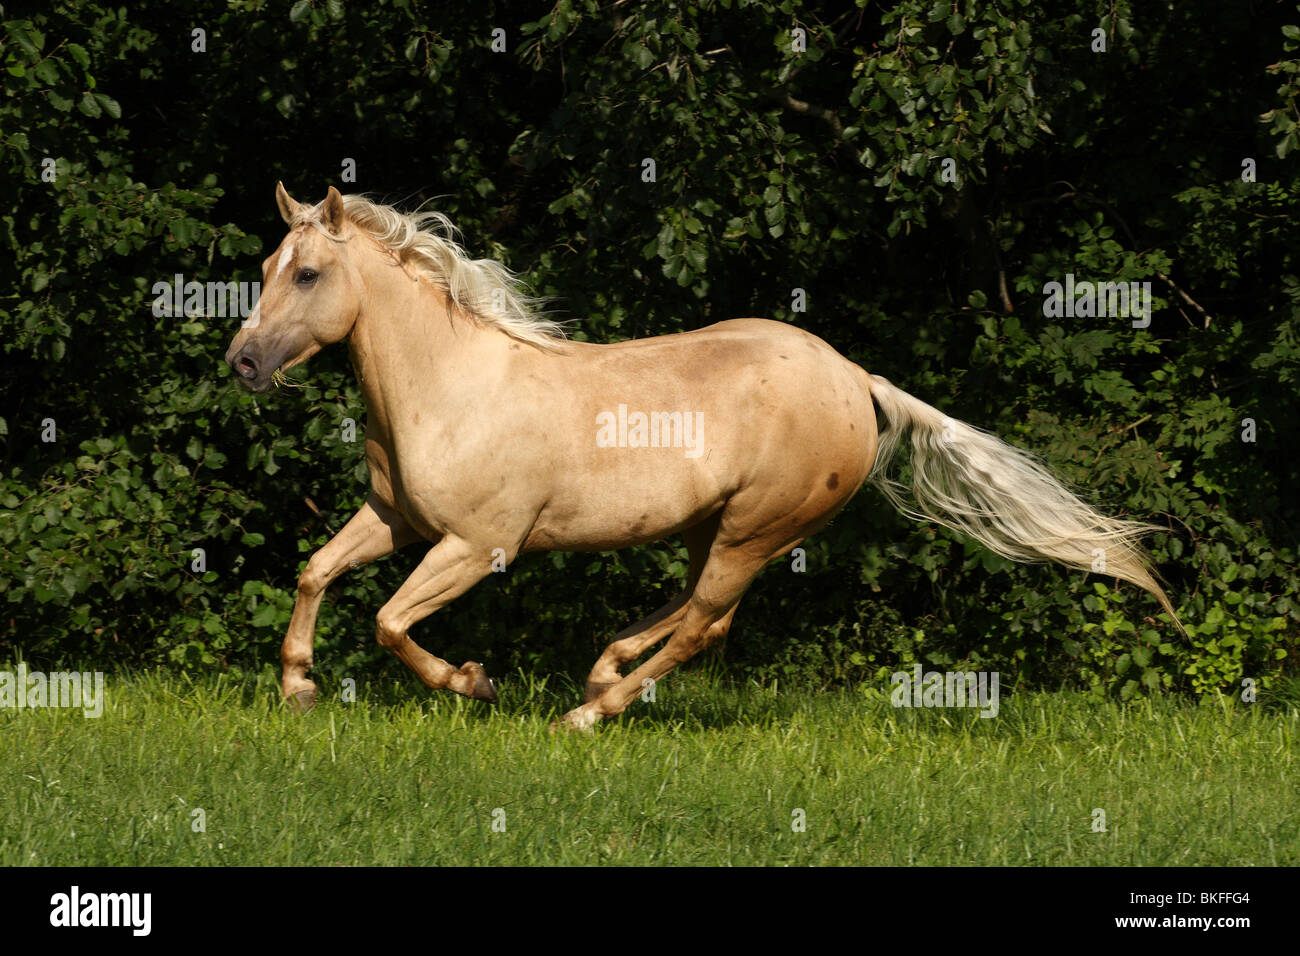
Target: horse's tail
<point>973,482</point>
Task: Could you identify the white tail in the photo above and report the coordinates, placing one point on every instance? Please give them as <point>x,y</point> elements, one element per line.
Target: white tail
<point>975,483</point>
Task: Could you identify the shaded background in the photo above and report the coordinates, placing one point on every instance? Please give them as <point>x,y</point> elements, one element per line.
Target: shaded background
<point>776,169</point>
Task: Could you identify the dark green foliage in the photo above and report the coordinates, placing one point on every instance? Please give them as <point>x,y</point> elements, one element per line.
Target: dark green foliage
<point>776,169</point>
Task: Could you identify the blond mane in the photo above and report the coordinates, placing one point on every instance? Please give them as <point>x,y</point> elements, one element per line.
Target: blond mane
<point>484,288</point>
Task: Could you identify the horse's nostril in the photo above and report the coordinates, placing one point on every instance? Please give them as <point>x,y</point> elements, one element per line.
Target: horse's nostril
<point>247,367</point>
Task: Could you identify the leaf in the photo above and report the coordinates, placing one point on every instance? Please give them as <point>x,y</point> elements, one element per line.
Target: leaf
<point>264,615</point>
<point>109,105</point>
<point>48,71</point>
<point>696,256</point>
<point>78,53</point>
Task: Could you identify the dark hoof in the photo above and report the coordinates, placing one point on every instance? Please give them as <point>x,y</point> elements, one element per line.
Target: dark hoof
<point>484,688</point>
<point>304,700</point>
<point>594,690</point>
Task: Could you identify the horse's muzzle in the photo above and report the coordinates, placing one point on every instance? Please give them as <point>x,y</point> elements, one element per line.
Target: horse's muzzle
<point>250,369</point>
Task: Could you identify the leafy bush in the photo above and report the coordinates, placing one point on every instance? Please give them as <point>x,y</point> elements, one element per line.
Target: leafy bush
<point>778,168</point>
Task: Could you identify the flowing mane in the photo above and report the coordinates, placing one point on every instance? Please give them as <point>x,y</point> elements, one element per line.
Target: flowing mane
<point>484,288</point>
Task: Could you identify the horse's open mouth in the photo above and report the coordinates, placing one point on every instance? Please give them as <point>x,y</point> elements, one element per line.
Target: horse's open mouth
<point>250,376</point>
<point>251,373</point>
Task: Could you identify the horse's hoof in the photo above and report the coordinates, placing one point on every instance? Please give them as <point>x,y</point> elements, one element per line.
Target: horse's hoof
<point>594,690</point>
<point>579,720</point>
<point>483,688</point>
<point>563,726</point>
<point>303,700</point>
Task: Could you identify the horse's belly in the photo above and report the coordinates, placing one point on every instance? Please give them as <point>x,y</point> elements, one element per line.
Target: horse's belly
<point>627,506</point>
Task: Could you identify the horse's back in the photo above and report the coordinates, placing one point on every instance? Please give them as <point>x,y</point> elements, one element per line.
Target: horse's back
<point>778,421</point>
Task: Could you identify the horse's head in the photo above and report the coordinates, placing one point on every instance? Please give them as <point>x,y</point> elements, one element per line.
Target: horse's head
<point>311,293</point>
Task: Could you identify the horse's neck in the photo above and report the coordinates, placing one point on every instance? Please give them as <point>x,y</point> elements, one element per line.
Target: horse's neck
<point>406,345</point>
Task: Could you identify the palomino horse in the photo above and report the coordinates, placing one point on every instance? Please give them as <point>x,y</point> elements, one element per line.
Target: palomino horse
<point>489,433</point>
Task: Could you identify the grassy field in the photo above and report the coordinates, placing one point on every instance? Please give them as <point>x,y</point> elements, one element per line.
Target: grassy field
<point>707,774</point>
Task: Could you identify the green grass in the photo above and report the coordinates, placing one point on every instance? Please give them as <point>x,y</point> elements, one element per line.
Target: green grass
<point>708,774</point>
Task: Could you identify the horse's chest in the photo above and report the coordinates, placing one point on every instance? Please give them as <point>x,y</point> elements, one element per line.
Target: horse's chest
<point>382,478</point>
<point>415,496</point>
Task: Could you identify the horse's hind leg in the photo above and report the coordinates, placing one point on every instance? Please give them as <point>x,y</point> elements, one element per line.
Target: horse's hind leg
<point>631,642</point>
<point>374,531</point>
<point>708,613</point>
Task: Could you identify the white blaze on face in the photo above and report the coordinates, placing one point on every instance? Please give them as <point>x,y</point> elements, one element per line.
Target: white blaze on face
<point>286,256</point>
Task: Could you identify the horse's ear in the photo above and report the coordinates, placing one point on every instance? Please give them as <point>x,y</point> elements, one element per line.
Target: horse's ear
<point>288,207</point>
<point>332,211</point>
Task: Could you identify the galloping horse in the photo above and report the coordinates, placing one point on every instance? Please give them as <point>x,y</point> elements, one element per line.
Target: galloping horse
<point>490,433</point>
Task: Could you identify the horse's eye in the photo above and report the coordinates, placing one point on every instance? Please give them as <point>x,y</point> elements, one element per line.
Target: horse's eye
<point>308,276</point>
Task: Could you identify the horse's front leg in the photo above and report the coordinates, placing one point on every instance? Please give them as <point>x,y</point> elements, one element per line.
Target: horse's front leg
<point>450,569</point>
<point>374,531</point>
